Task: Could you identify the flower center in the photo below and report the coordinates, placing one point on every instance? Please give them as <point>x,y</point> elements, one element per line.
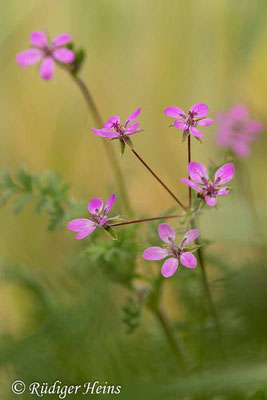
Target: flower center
<point>190,119</point>
<point>118,128</point>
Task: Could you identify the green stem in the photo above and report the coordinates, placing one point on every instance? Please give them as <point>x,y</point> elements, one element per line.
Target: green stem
<point>170,336</point>
<point>159,180</point>
<point>136,221</point>
<point>108,147</point>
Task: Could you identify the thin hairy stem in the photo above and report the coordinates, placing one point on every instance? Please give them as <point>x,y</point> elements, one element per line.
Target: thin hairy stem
<point>158,179</point>
<point>108,147</point>
<point>136,221</point>
<point>170,336</point>
<point>206,286</point>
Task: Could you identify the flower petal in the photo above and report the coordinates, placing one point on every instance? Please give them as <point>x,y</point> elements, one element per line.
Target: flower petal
<point>223,191</point>
<point>132,128</point>
<point>169,267</point>
<point>62,39</point>
<point>77,225</point>
<point>239,111</point>
<point>183,126</point>
<point>200,110</point>
<point>47,68</point>
<point>109,203</point>
<point>224,174</point>
<point>195,132</point>
<point>113,120</point>
<point>155,253</point>
<point>85,232</point>
<point>175,112</point>
<point>28,57</point>
<point>197,172</point>
<point>188,260</point>
<point>95,206</point>
<point>104,132</point>
<point>205,122</point>
<point>211,201</point>
<point>254,126</point>
<point>191,184</point>
<point>64,55</point>
<point>132,117</point>
<point>39,39</point>
<point>166,233</point>
<point>190,236</point>
<point>103,221</point>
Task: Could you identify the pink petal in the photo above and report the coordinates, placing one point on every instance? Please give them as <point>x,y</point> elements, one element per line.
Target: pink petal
<point>132,128</point>
<point>197,172</point>
<point>28,57</point>
<point>109,203</point>
<point>242,149</point>
<point>188,260</point>
<point>190,236</point>
<point>169,267</point>
<point>103,221</point>
<point>166,233</point>
<point>211,201</point>
<point>104,132</point>
<point>205,122</point>
<point>200,110</point>
<point>95,206</point>
<point>155,253</point>
<point>223,191</point>
<point>77,225</point>
<point>191,184</point>
<point>254,126</point>
<point>113,120</point>
<point>239,111</point>
<point>85,232</point>
<point>47,68</point>
<point>175,112</point>
<point>224,174</point>
<point>62,39</point>
<point>64,55</point>
<point>183,126</point>
<point>132,117</point>
<point>39,39</point>
<point>195,132</point>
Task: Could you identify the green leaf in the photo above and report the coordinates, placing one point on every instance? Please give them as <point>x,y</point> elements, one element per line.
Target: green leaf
<point>111,233</point>
<point>122,144</point>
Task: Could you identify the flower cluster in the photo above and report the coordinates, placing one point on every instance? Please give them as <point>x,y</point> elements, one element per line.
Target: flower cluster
<point>203,185</point>
<point>48,52</point>
<point>86,226</point>
<point>188,123</point>
<point>174,252</point>
<point>236,130</point>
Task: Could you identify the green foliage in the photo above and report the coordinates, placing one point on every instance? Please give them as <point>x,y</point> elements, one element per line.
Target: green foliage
<point>131,315</point>
<point>117,259</point>
<point>46,190</point>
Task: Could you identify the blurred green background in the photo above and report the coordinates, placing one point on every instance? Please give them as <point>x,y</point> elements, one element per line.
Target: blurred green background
<point>149,54</point>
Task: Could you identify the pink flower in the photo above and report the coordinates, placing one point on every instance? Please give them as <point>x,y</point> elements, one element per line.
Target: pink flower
<point>113,129</point>
<point>236,130</point>
<point>204,186</point>
<point>86,226</point>
<point>178,253</point>
<point>47,52</point>
<point>190,122</point>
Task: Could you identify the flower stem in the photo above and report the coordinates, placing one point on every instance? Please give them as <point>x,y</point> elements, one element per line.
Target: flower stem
<point>208,292</point>
<point>170,336</point>
<point>108,147</point>
<point>158,179</point>
<point>136,221</point>
<point>189,160</point>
